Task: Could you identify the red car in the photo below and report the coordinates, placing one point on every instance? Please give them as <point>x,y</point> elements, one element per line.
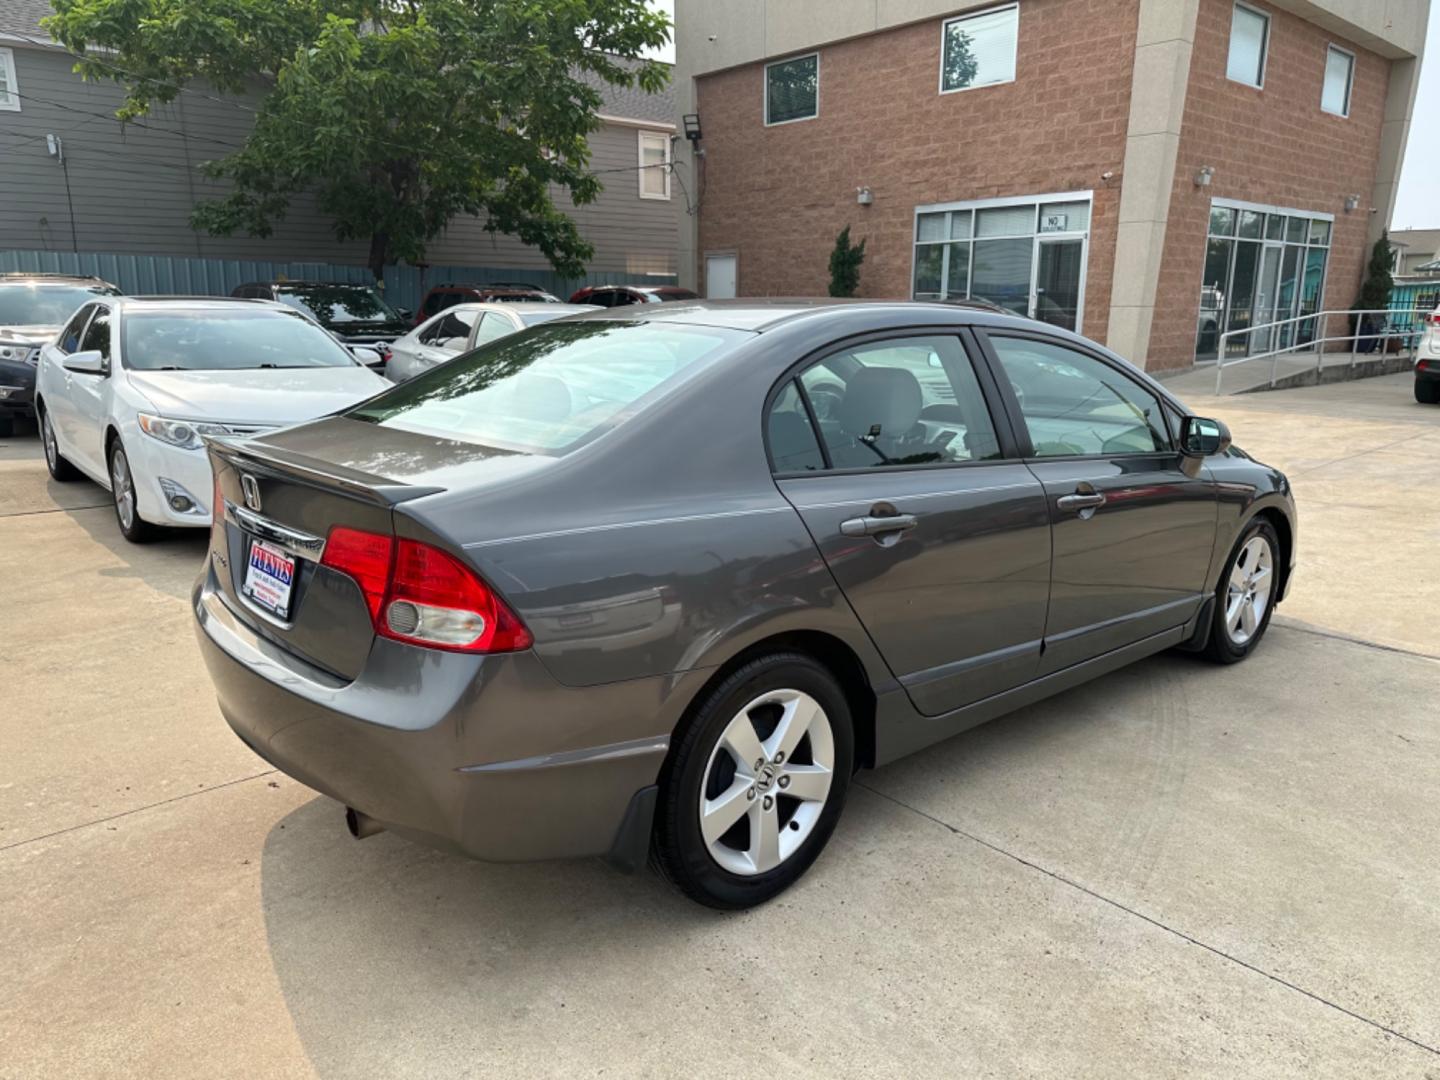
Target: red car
<point>446,296</point>
<point>620,295</point>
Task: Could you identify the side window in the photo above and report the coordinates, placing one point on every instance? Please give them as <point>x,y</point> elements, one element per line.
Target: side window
<point>70,337</point>
<point>450,330</point>
<point>1074,404</point>
<point>490,327</point>
<point>900,401</point>
<point>622,297</point>
<point>793,446</point>
<point>97,334</point>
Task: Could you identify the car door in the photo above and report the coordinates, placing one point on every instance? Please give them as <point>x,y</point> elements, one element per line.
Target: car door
<point>59,384</point>
<point>936,532</point>
<point>90,395</point>
<point>1133,521</point>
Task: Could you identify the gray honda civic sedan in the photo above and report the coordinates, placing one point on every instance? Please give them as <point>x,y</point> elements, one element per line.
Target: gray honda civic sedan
<point>658,582</point>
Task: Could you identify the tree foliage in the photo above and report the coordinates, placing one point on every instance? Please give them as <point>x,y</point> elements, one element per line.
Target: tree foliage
<point>845,262</point>
<point>1375,289</point>
<point>398,114</point>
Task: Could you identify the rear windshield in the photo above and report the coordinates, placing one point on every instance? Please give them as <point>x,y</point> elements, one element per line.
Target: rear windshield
<point>227,340</point>
<point>339,303</point>
<point>551,389</point>
<point>45,305</point>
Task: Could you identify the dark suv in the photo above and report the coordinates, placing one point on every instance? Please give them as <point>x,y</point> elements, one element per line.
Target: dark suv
<point>447,296</point>
<point>621,295</point>
<point>33,308</point>
<point>356,314</point>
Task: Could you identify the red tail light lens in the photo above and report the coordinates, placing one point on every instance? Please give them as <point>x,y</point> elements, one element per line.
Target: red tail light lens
<point>422,595</point>
<point>365,556</point>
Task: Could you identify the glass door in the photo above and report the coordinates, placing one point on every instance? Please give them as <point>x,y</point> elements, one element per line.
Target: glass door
<point>1267,287</point>
<point>1055,298</point>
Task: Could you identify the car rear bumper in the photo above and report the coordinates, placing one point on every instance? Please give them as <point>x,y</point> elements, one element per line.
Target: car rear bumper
<point>485,756</point>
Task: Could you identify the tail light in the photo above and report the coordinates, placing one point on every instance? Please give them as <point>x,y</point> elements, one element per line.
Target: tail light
<point>419,594</point>
<point>1435,319</point>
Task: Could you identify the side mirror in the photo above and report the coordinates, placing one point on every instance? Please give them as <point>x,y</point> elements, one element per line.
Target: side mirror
<point>1200,437</point>
<point>85,363</point>
<point>371,358</point>
<point>405,312</point>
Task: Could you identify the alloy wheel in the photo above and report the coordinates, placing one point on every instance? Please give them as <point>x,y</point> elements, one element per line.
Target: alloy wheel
<point>123,488</point>
<point>767,782</point>
<point>1247,595</point>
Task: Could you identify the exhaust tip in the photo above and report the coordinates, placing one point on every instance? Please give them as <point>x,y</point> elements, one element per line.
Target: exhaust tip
<point>361,825</point>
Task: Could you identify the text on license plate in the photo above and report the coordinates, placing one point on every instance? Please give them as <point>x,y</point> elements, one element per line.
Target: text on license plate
<point>269,575</point>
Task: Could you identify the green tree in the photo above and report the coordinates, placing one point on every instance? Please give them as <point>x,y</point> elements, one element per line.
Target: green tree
<point>1374,294</point>
<point>845,263</point>
<point>398,114</point>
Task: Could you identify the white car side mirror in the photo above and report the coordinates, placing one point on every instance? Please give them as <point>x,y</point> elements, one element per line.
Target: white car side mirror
<point>85,363</point>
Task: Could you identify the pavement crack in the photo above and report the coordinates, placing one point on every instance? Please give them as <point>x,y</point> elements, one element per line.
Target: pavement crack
<point>1362,453</point>
<point>135,810</point>
<point>1182,935</point>
<point>53,510</point>
<point>1302,628</point>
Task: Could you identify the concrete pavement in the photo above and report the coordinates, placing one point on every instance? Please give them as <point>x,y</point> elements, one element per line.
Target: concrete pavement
<point>1179,870</point>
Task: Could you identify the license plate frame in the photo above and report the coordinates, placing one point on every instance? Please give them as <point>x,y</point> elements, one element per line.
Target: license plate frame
<point>269,581</point>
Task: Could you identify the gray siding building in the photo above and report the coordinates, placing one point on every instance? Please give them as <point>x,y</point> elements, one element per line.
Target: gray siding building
<point>72,178</point>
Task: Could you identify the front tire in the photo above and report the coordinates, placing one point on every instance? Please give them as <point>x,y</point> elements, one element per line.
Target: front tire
<point>1245,598</point>
<point>755,783</point>
<point>126,498</point>
<point>58,464</point>
<point>1427,391</point>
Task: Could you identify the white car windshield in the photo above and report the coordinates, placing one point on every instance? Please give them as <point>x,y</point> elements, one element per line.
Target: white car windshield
<point>31,304</point>
<point>234,339</point>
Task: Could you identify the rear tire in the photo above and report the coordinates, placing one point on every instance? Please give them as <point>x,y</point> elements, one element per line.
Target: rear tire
<point>126,498</point>
<point>59,466</point>
<point>1245,597</point>
<point>766,817</point>
<point>1427,391</point>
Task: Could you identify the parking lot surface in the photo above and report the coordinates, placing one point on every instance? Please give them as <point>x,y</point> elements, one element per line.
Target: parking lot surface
<point>1178,870</point>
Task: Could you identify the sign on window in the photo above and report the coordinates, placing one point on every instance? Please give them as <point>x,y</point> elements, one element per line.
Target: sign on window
<point>1053,222</point>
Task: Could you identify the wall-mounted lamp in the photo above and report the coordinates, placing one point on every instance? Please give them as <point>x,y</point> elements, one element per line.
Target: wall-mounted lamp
<point>864,196</point>
<point>1205,175</point>
<point>1352,202</point>
<point>692,127</point>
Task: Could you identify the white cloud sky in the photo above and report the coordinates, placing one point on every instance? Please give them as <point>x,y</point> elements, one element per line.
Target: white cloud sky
<point>1418,204</point>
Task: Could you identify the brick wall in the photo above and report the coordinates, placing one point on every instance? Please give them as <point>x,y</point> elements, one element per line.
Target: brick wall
<point>1273,146</point>
<point>777,196</point>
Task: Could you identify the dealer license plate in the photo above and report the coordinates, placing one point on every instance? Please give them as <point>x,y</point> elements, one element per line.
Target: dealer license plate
<point>269,576</point>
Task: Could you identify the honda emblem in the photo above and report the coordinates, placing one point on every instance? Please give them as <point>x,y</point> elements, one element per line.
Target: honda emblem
<point>251,491</point>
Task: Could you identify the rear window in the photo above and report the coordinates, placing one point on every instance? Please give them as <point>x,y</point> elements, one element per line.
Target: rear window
<point>333,304</point>
<point>551,389</point>
<point>230,340</point>
<point>29,304</point>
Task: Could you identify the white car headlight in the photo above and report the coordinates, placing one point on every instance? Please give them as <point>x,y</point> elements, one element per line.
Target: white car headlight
<point>182,433</point>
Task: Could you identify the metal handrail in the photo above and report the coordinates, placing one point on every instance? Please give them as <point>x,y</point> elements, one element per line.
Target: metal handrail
<point>1354,337</point>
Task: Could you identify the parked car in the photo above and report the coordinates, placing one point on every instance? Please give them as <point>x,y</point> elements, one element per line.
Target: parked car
<point>621,295</point>
<point>461,328</point>
<point>1427,361</point>
<point>614,585</point>
<point>446,296</point>
<point>357,315</point>
<point>130,388</point>
<point>33,308</point>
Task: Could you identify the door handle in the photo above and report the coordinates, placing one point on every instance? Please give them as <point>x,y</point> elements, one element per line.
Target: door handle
<point>1080,501</point>
<point>877,526</point>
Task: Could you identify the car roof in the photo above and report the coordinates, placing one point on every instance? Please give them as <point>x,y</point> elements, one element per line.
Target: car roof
<point>521,306</point>
<point>292,284</point>
<point>25,277</point>
<point>193,302</point>
<point>767,314</point>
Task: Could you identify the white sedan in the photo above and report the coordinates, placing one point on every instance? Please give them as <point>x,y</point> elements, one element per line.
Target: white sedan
<point>447,334</point>
<point>128,388</point>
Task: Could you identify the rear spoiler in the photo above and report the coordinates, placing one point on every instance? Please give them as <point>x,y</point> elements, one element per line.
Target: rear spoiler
<point>247,454</point>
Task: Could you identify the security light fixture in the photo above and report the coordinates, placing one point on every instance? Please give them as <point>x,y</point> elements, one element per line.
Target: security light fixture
<point>1352,202</point>
<point>1204,176</point>
<point>692,127</point>
<point>864,196</point>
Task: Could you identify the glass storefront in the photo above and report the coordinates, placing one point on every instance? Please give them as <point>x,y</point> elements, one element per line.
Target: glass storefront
<point>1025,254</point>
<point>1262,265</point>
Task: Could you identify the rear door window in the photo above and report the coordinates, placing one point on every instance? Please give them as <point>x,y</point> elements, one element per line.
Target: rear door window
<point>1076,405</point>
<point>70,337</point>
<point>450,331</point>
<point>97,334</point>
<point>900,402</point>
<point>794,446</point>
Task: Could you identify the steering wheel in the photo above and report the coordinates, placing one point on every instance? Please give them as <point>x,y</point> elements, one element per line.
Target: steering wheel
<point>825,399</point>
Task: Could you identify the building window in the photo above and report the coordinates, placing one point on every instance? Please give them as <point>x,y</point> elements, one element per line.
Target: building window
<point>1026,254</point>
<point>654,165</point>
<point>1339,77</point>
<point>792,89</point>
<point>1249,38</point>
<point>9,88</point>
<point>1263,265</point>
<point>979,50</point>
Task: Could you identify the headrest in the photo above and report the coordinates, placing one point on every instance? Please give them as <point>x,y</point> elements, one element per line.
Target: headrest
<point>886,396</point>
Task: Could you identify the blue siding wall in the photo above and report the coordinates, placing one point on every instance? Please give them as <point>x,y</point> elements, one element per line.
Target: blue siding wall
<point>140,275</point>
